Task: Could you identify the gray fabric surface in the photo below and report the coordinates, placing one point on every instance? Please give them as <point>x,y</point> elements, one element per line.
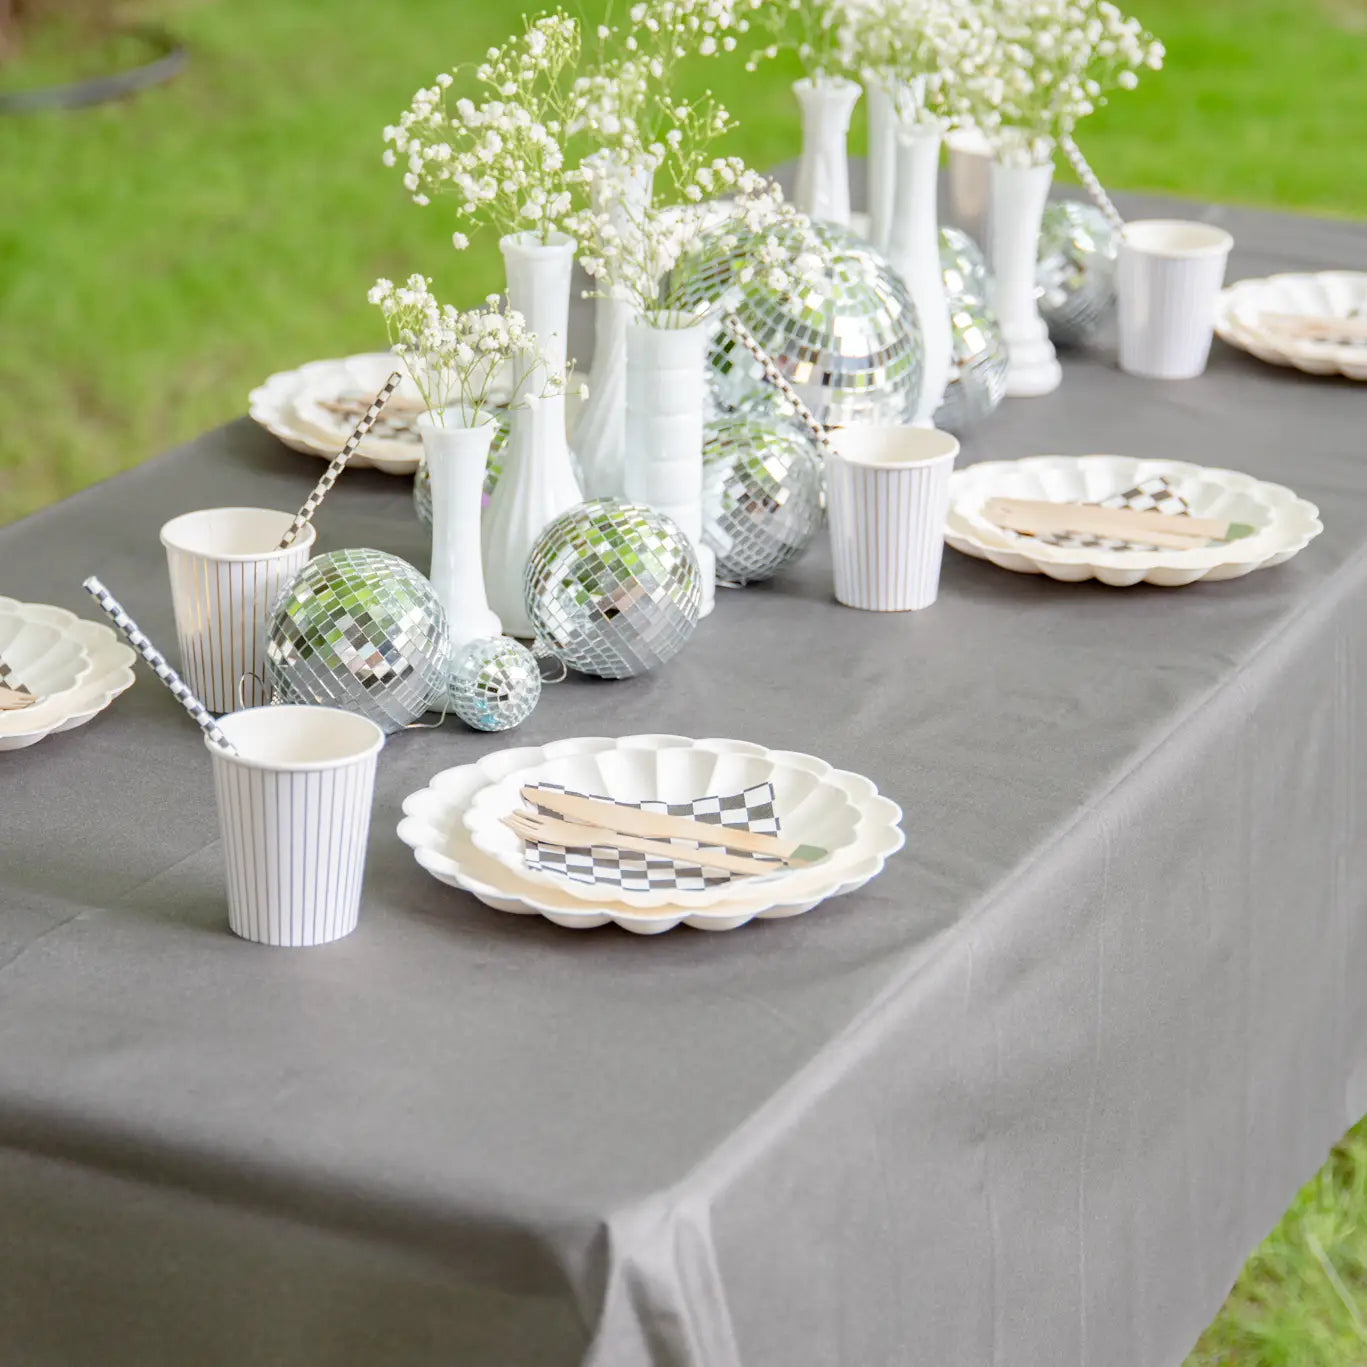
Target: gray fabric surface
<point>1028,1100</point>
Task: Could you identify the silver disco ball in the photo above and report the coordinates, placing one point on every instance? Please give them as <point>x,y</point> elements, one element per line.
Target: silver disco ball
<point>977,376</point>
<point>613,588</point>
<point>495,683</point>
<point>763,487</point>
<point>422,481</point>
<point>363,631</point>
<point>848,339</point>
<point>1075,275</point>
<point>964,266</point>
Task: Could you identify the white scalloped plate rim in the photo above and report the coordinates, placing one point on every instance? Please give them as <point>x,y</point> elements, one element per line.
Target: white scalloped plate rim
<point>111,674</point>
<point>1314,358</point>
<point>472,871</point>
<point>1293,524</point>
<point>64,652</point>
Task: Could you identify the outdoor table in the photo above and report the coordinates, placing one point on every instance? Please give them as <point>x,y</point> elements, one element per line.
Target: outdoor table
<point>1028,1099</point>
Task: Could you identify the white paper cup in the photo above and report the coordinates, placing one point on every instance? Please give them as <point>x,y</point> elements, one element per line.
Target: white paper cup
<point>887,494</point>
<point>294,811</point>
<point>1168,280</point>
<point>226,574</point>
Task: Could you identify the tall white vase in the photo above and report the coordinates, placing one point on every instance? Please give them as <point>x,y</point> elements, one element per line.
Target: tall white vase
<point>882,162</point>
<point>457,456</point>
<point>664,425</point>
<point>970,185</point>
<point>914,251</point>
<point>823,176</point>
<point>538,482</point>
<point>600,432</point>
<point>1018,196</point>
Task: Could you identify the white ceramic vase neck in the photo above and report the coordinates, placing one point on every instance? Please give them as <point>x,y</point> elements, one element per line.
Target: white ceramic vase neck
<point>882,161</point>
<point>823,177</point>
<point>914,251</point>
<point>538,482</point>
<point>664,431</point>
<point>457,455</point>
<point>1018,197</point>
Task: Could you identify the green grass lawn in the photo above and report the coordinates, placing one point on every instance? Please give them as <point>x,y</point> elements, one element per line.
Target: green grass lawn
<point>159,258</point>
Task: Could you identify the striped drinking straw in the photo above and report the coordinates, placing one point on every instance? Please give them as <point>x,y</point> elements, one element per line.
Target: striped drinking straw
<point>779,380</point>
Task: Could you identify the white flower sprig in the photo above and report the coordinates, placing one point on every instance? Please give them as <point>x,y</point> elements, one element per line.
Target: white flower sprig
<point>456,359</point>
<point>1042,65</point>
<point>815,30</point>
<point>503,156</point>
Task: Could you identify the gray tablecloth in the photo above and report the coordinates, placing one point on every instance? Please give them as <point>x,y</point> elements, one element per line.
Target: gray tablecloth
<point>1027,1100</point>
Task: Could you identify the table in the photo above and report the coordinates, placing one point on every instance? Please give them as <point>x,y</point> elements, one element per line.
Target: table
<point>1029,1099</point>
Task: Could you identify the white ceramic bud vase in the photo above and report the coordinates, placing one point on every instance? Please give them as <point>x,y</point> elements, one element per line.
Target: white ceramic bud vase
<point>538,482</point>
<point>970,185</point>
<point>457,455</point>
<point>600,433</point>
<point>1018,196</point>
<point>882,162</point>
<point>664,427</point>
<point>914,251</point>
<point>823,177</point>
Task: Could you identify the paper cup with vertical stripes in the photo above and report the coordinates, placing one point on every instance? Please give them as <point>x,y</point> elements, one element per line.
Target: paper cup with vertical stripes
<point>887,494</point>
<point>226,573</point>
<point>294,811</point>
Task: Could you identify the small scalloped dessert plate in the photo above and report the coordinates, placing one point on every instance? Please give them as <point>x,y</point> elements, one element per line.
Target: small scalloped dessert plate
<point>38,653</point>
<point>1324,294</point>
<point>434,828</point>
<point>1286,524</point>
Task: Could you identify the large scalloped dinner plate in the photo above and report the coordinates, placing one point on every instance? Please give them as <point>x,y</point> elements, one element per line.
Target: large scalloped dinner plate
<point>1324,294</point>
<point>1286,523</point>
<point>434,828</point>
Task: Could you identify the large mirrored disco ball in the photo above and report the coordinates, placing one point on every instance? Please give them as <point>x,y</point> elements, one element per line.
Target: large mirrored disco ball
<point>422,481</point>
<point>613,588</point>
<point>977,377</point>
<point>964,266</point>
<point>360,630</point>
<point>847,338</point>
<point>763,482</point>
<point>495,683</point>
<point>1075,275</point>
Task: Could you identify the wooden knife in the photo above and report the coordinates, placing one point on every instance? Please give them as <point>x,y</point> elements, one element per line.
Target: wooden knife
<point>1040,517</point>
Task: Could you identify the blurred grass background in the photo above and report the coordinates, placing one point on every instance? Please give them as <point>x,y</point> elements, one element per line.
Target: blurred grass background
<point>160,257</point>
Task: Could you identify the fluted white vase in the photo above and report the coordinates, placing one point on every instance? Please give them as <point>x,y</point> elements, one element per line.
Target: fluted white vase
<point>538,481</point>
<point>1018,197</point>
<point>600,433</point>
<point>664,428</point>
<point>882,161</point>
<point>914,251</point>
<point>457,455</point>
<point>823,176</point>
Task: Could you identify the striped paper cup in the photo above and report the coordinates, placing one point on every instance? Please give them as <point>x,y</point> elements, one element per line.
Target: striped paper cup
<point>887,491</point>
<point>294,811</point>
<point>226,573</point>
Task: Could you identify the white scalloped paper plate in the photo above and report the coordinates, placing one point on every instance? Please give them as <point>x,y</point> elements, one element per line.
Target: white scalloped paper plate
<point>1332,294</point>
<point>40,654</point>
<point>1287,523</point>
<point>111,672</point>
<point>434,828</point>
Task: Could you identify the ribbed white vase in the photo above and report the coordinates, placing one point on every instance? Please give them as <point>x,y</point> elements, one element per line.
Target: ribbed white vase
<point>823,176</point>
<point>457,456</point>
<point>538,482</point>
<point>1018,197</point>
<point>882,161</point>
<point>600,433</point>
<point>914,251</point>
<point>664,427</point>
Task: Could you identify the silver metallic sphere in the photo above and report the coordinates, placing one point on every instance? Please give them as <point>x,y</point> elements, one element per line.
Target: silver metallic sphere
<point>848,339</point>
<point>613,588</point>
<point>964,266</point>
<point>360,630</point>
<point>495,683</point>
<point>422,481</point>
<point>977,376</point>
<point>1075,276</point>
<point>763,482</point>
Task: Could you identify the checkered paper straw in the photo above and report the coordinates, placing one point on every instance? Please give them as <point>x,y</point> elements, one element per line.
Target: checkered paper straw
<point>779,380</point>
<point>339,461</point>
<point>113,609</point>
<point>1090,182</point>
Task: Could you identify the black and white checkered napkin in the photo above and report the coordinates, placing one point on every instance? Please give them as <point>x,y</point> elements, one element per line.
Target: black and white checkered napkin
<point>1153,495</point>
<point>753,810</point>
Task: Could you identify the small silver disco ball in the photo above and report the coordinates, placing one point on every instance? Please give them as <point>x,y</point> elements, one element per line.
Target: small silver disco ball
<point>613,588</point>
<point>1075,275</point>
<point>848,340</point>
<point>964,266</point>
<point>977,377</point>
<point>363,631</point>
<point>495,683</point>
<point>763,488</point>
